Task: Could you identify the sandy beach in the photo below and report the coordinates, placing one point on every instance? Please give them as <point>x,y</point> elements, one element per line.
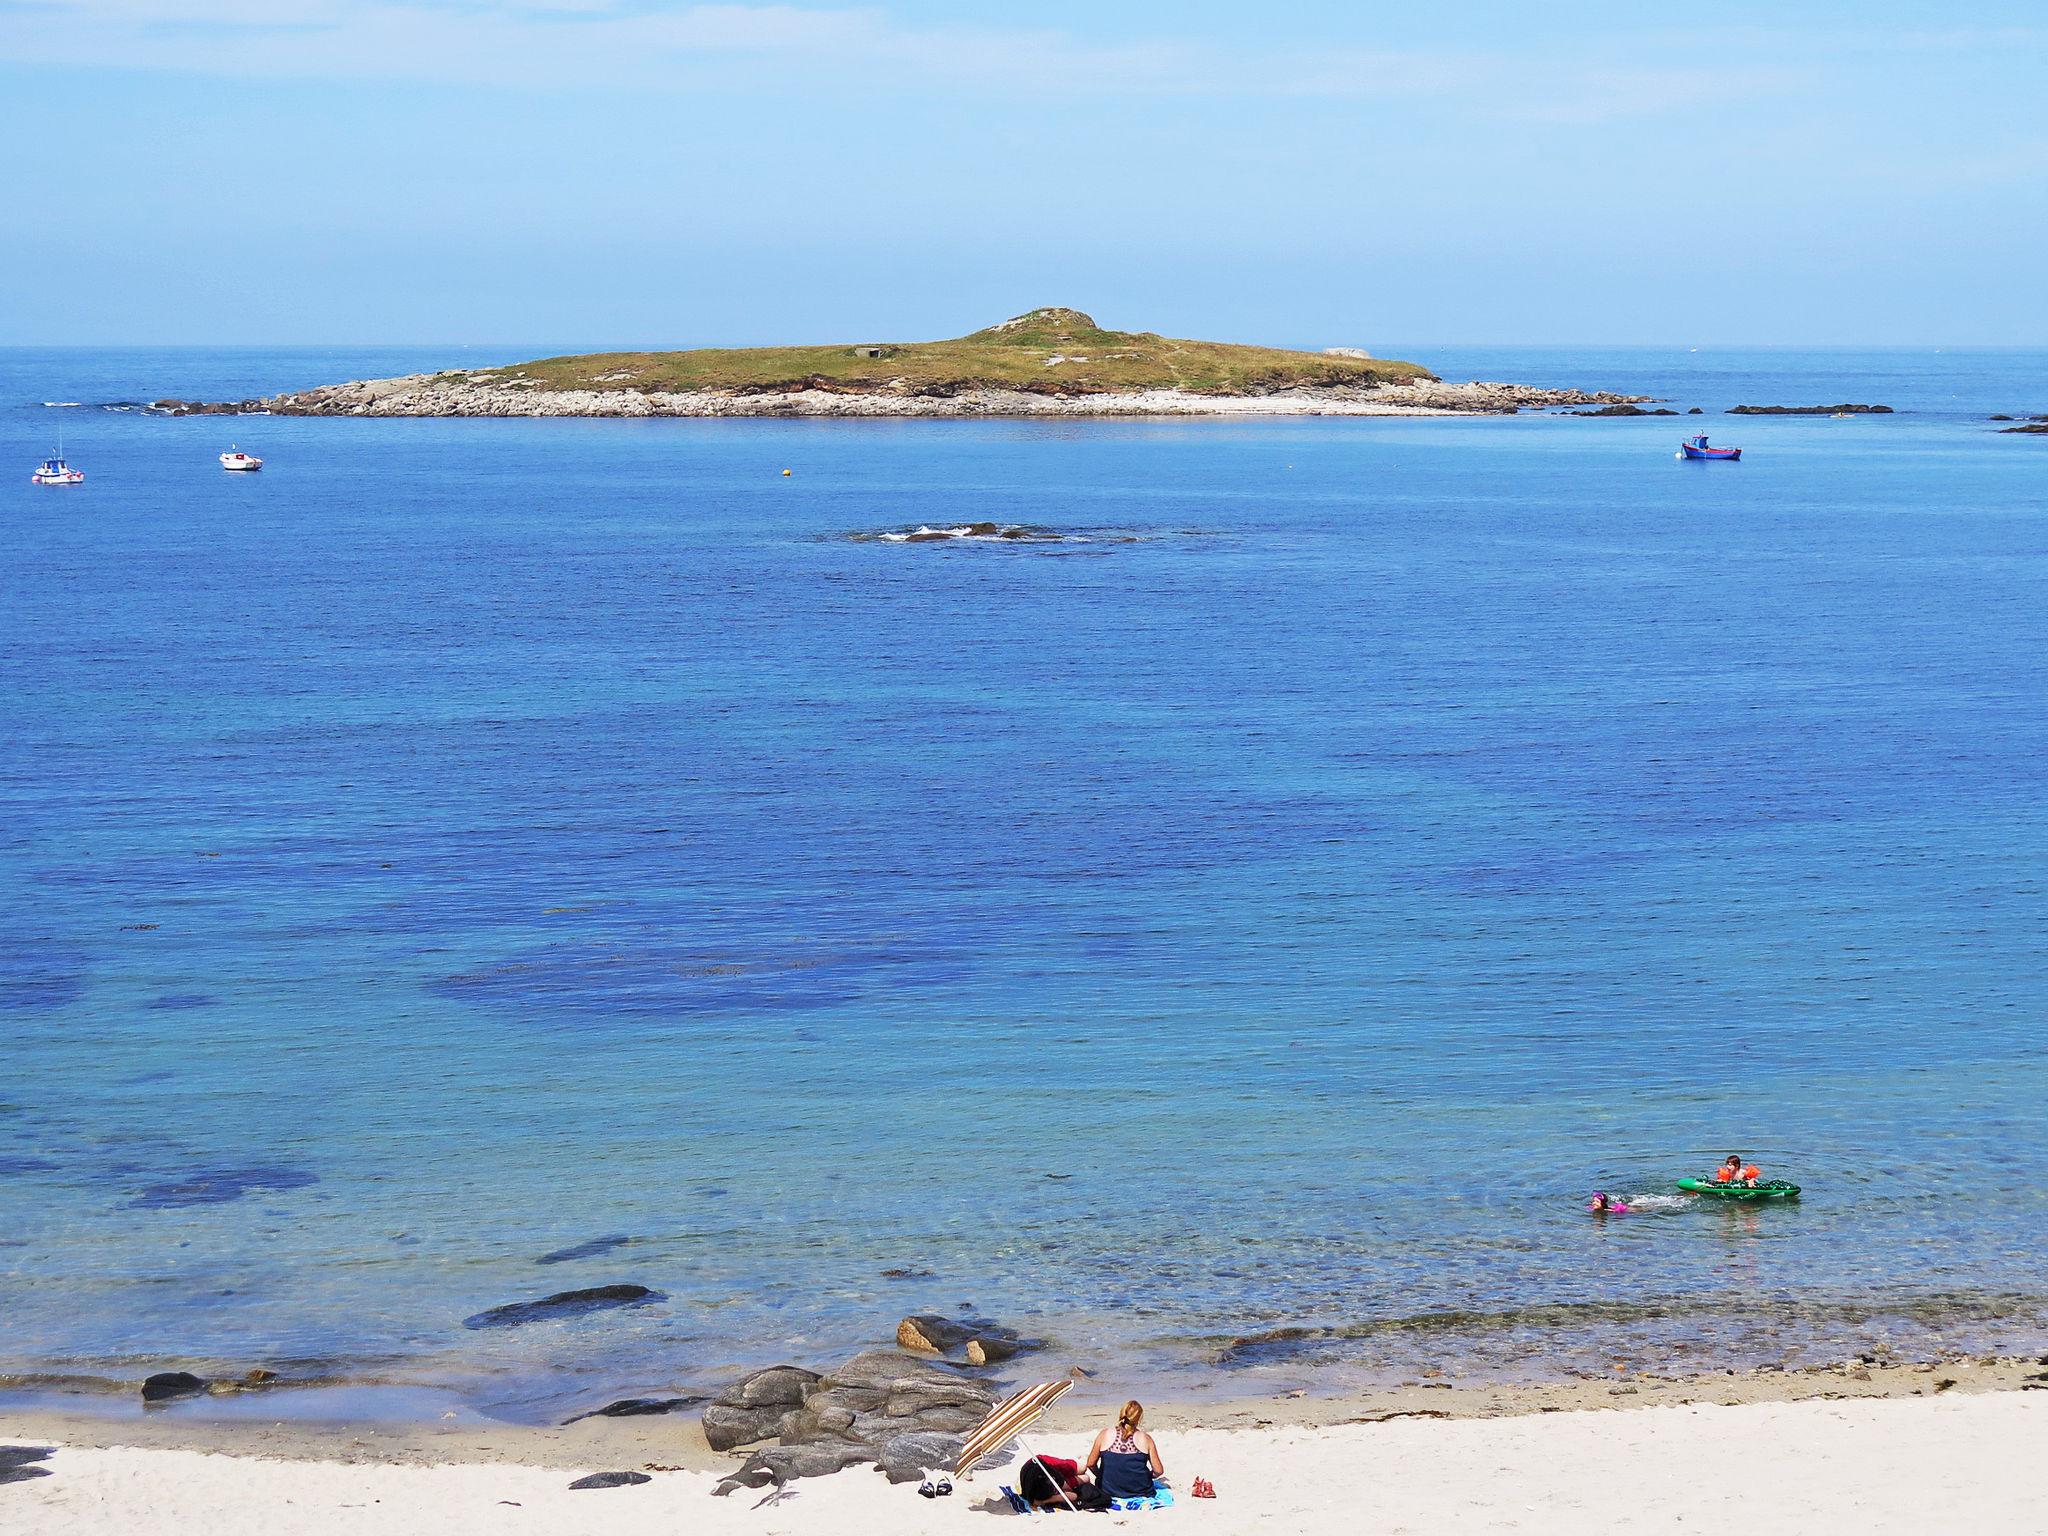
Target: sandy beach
<point>1903,1448</point>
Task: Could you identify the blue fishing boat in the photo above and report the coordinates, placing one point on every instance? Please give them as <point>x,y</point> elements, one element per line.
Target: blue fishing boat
<point>1696,448</point>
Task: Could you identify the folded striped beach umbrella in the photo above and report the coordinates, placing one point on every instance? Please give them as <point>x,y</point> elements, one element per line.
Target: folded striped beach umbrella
<point>1005,1422</point>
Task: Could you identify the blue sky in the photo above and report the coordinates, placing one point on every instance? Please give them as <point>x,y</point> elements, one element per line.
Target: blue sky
<point>600,172</point>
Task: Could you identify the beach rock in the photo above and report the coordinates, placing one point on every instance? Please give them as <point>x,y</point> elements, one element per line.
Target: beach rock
<point>166,1386</point>
<point>888,1373</point>
<point>783,1386</point>
<point>596,1298</point>
<point>17,1462</point>
<point>782,1463</point>
<point>611,1480</point>
<point>906,1458</point>
<point>636,1407</point>
<point>727,1427</point>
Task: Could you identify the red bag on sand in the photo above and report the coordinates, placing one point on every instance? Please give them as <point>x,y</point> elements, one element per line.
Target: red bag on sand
<point>1204,1489</point>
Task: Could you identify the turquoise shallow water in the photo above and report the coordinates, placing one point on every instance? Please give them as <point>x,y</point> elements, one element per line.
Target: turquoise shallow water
<point>1262,914</point>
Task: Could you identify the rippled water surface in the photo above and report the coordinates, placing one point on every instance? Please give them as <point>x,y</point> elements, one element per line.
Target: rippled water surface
<point>1227,932</point>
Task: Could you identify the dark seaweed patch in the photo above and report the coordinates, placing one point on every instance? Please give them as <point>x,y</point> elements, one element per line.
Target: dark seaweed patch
<point>217,1186</point>
<point>589,1250</point>
<point>611,978</point>
<point>182,1000</point>
<point>596,1298</point>
<point>37,982</point>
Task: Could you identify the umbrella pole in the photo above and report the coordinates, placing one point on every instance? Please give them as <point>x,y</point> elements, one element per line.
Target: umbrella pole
<point>1058,1486</point>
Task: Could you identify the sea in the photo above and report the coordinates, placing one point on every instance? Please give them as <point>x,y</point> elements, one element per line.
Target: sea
<point>1223,918</point>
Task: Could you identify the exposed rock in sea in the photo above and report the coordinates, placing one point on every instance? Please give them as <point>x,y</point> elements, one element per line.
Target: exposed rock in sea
<point>977,1340</point>
<point>2036,424</point>
<point>165,1386</point>
<point>596,1298</point>
<point>611,1480</point>
<point>1809,410</point>
<point>1624,410</point>
<point>932,1335</point>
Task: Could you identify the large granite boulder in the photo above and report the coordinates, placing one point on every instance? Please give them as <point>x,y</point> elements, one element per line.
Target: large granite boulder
<point>782,1386</point>
<point>753,1409</point>
<point>887,1372</point>
<point>854,1413</point>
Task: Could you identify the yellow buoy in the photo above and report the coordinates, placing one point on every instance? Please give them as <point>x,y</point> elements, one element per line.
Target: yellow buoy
<point>785,471</point>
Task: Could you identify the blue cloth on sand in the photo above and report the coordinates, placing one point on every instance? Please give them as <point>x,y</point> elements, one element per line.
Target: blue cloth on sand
<point>1163,1499</point>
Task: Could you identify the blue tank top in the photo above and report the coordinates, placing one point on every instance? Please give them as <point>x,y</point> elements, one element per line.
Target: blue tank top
<point>1125,1474</point>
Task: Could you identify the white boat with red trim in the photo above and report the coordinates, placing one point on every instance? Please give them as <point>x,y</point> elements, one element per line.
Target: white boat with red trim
<point>54,471</point>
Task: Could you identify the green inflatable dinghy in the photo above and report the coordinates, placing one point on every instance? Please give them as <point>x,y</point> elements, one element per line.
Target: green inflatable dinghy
<point>1769,1189</point>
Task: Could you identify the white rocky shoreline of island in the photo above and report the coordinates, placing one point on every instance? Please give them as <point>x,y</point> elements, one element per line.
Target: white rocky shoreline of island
<point>463,394</point>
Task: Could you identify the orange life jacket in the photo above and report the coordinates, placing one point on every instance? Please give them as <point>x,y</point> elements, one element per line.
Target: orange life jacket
<point>1751,1174</point>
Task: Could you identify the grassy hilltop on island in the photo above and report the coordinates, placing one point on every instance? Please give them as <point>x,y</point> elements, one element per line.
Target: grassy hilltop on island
<point>1048,351</point>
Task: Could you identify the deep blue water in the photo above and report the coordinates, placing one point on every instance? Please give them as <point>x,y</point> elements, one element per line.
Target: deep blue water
<point>1275,905</point>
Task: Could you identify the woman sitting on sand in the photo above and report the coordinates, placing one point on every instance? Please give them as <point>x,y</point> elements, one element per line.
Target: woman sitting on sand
<point>1125,1460</point>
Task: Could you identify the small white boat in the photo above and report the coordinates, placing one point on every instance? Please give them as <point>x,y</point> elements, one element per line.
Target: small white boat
<point>55,471</point>
<point>234,458</point>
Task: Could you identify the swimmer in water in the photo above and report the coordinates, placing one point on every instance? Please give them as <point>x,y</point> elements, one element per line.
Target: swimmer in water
<point>1604,1204</point>
<point>1736,1171</point>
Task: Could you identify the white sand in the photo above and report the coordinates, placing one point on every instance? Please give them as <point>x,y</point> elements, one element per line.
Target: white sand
<point>1961,1461</point>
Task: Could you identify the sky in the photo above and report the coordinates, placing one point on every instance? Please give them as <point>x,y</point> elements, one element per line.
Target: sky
<point>644,173</point>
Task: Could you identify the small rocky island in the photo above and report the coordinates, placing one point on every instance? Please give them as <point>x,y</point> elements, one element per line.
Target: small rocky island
<point>1049,362</point>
